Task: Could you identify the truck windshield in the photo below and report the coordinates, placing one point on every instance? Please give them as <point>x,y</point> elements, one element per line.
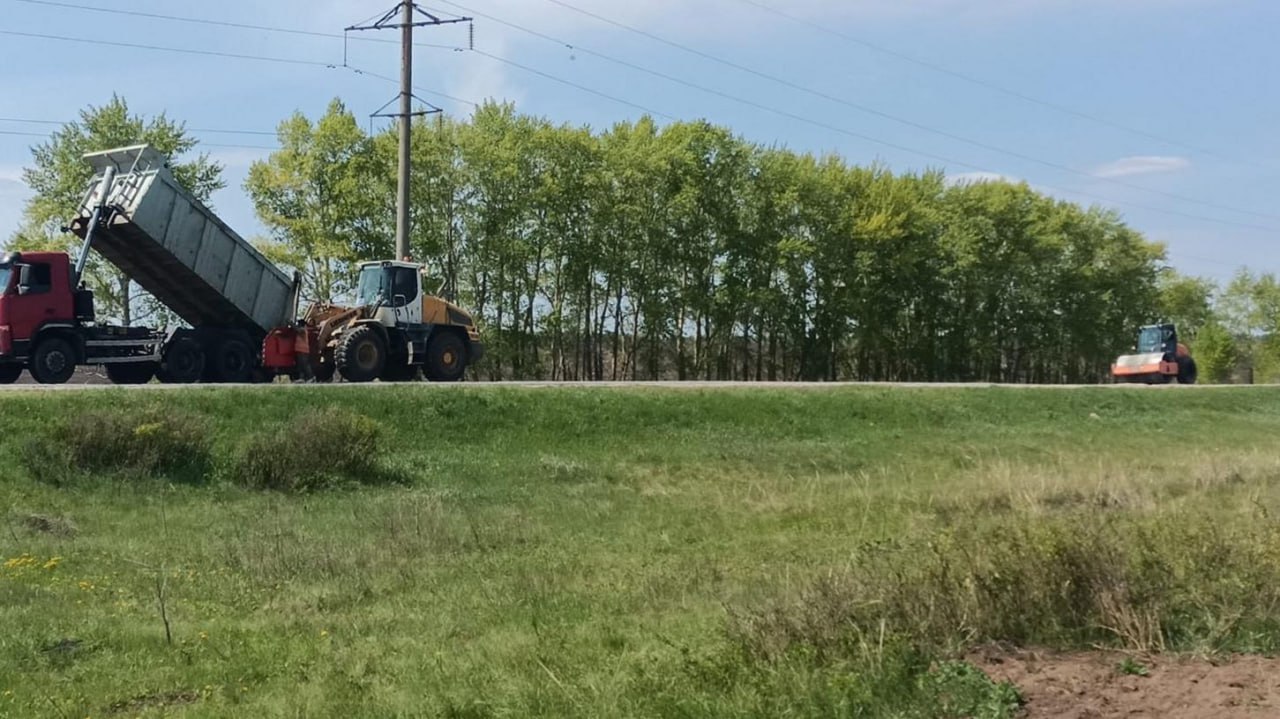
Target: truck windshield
<point>370,288</point>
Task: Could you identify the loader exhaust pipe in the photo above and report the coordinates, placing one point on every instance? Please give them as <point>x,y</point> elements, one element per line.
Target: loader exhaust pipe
<point>104,192</point>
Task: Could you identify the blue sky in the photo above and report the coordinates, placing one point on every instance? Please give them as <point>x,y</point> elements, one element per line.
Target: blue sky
<point>1199,73</point>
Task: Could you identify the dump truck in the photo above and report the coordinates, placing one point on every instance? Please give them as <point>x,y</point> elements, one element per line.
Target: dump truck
<point>1159,359</point>
<point>240,310</point>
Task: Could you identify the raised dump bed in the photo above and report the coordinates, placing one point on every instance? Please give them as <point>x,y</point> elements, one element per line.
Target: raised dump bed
<point>178,250</point>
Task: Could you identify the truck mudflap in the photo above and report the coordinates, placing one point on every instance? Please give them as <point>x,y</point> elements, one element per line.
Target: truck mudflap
<point>6,341</point>
<point>475,351</point>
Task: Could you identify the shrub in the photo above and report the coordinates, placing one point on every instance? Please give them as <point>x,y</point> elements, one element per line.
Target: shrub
<point>146,443</point>
<point>321,448</point>
<point>1170,581</point>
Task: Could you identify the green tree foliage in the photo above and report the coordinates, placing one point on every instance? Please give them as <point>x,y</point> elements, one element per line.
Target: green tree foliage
<point>59,178</point>
<point>326,199</point>
<point>1250,309</point>
<point>1187,302</point>
<point>1216,353</point>
<point>682,251</point>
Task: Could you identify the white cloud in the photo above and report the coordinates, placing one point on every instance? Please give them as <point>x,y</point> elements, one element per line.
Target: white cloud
<point>1142,165</point>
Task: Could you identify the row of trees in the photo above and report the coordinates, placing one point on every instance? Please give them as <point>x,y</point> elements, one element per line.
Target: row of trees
<point>684,252</point>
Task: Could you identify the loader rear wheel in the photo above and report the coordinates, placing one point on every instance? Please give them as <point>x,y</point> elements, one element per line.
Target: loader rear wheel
<point>131,372</point>
<point>361,355</point>
<point>9,373</point>
<point>1187,371</point>
<point>183,362</point>
<point>230,361</point>
<point>446,359</point>
<point>53,362</point>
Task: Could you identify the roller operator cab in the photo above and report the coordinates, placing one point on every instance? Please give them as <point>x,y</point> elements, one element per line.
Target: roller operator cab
<point>403,330</point>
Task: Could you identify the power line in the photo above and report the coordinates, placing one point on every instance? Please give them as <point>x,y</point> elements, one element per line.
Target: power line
<point>993,86</point>
<point>22,120</point>
<point>572,84</point>
<point>222,23</point>
<point>751,103</point>
<point>16,133</point>
<point>237,56</point>
<point>884,115</point>
<point>428,91</point>
<point>857,135</point>
<point>188,51</point>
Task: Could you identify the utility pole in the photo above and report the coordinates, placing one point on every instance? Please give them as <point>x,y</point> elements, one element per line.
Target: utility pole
<point>409,12</point>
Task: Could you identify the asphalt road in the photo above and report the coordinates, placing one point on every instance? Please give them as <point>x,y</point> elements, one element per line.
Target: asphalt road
<point>89,386</point>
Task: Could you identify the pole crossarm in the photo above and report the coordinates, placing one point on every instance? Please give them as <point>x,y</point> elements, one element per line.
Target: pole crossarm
<point>409,14</point>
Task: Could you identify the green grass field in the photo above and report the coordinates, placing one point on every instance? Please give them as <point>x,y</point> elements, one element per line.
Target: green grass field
<point>622,552</point>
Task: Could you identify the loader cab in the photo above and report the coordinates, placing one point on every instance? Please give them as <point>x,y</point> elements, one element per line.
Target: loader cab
<point>1158,338</point>
<point>392,291</point>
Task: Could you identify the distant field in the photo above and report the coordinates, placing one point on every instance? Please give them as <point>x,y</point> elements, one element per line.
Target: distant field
<point>572,552</point>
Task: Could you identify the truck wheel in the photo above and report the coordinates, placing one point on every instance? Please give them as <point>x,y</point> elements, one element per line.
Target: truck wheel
<point>446,359</point>
<point>183,362</point>
<point>230,361</point>
<point>9,373</point>
<point>131,372</point>
<point>1187,370</point>
<point>361,355</point>
<point>53,362</point>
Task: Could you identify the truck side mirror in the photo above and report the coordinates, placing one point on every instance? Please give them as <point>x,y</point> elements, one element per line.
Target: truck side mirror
<point>24,279</point>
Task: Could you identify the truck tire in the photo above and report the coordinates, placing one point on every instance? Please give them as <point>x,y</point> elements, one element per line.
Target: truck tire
<point>1187,370</point>
<point>10,372</point>
<point>183,362</point>
<point>361,355</point>
<point>131,372</point>
<point>446,359</point>
<point>53,362</point>
<point>229,361</point>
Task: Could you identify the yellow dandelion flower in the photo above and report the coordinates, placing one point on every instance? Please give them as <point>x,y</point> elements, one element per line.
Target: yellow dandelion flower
<point>53,563</point>
<point>150,428</point>
<point>324,633</point>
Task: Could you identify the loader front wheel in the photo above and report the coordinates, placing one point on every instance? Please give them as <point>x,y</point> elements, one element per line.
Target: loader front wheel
<point>446,359</point>
<point>361,355</point>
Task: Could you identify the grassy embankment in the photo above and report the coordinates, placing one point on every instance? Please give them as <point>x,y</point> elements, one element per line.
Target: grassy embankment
<point>596,553</point>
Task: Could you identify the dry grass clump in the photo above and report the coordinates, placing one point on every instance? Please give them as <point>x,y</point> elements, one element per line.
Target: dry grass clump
<point>319,449</point>
<point>141,443</point>
<point>1173,581</point>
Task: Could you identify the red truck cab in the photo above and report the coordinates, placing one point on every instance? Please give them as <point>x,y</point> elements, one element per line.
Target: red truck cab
<point>36,298</point>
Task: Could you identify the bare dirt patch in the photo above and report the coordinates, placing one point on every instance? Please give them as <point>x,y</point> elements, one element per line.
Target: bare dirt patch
<point>1100,685</point>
